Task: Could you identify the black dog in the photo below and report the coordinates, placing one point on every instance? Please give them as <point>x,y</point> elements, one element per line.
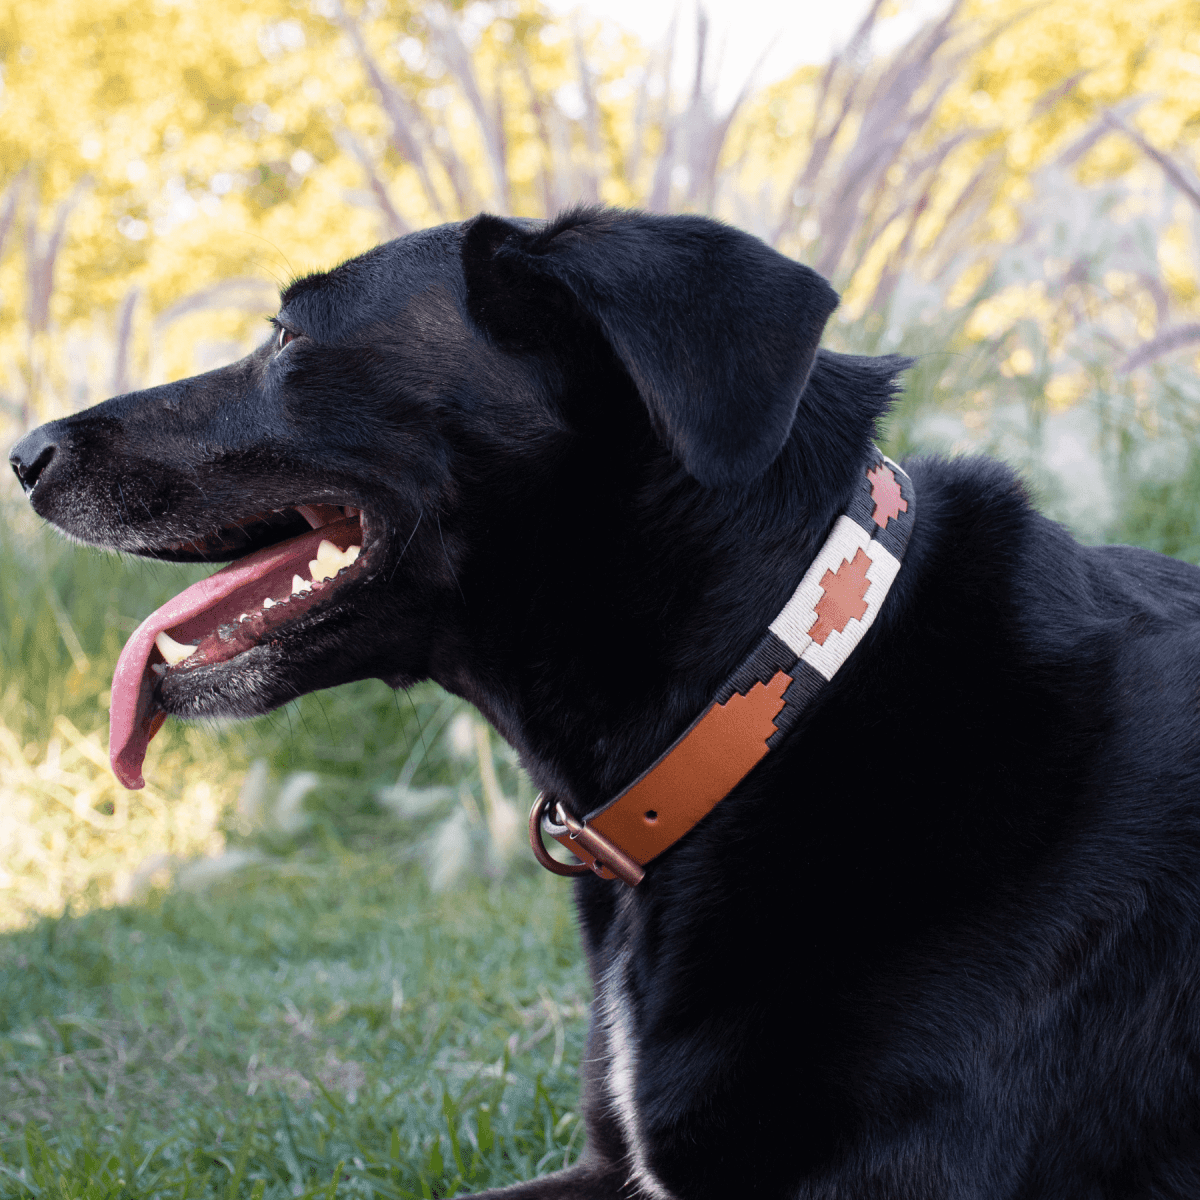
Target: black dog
<point>943,940</point>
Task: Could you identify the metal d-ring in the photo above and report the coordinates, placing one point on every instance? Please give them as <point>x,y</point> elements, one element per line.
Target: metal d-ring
<point>605,856</point>
<point>536,813</point>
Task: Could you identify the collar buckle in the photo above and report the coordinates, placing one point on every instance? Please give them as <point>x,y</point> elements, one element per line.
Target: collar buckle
<point>599,854</point>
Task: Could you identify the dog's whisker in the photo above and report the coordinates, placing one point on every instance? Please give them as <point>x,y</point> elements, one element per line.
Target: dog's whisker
<point>124,508</point>
<point>404,550</point>
<point>449,564</point>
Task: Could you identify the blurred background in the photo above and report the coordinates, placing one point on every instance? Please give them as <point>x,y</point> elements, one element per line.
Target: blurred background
<point>1006,191</point>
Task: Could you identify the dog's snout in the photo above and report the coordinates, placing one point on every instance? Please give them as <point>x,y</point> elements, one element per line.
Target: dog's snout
<point>32,455</point>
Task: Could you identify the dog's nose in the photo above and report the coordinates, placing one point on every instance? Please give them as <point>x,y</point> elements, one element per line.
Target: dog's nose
<point>32,455</point>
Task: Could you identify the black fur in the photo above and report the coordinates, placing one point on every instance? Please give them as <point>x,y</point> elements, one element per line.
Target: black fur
<point>944,941</point>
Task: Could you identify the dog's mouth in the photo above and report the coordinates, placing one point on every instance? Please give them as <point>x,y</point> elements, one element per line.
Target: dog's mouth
<point>232,611</point>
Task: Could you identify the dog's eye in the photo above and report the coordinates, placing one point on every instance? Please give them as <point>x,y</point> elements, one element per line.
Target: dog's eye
<point>285,336</point>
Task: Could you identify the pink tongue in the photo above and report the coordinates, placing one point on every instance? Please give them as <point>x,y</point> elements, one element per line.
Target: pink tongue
<point>133,717</point>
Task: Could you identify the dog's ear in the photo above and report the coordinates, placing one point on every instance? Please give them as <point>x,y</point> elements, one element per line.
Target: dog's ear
<point>717,331</point>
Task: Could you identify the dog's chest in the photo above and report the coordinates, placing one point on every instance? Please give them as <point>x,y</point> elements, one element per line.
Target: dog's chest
<point>619,1020</point>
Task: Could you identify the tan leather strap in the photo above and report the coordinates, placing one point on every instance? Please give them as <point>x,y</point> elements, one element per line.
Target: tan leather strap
<point>702,768</point>
<point>817,630</point>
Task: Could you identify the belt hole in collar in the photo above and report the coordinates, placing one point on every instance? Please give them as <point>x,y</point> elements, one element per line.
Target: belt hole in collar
<point>651,816</point>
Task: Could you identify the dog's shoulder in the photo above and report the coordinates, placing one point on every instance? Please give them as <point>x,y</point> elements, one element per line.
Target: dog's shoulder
<point>1145,582</point>
<point>979,525</point>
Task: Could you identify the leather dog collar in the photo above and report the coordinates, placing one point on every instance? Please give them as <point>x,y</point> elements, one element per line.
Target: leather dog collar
<point>834,605</point>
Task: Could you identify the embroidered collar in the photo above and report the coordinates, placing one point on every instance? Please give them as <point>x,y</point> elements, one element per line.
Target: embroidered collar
<point>834,605</point>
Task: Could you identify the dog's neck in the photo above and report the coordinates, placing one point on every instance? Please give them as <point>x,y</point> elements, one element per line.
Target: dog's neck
<point>597,658</point>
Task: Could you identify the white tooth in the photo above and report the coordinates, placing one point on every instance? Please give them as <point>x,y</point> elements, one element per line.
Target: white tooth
<point>174,652</point>
<point>244,617</point>
<point>330,560</point>
<point>300,585</point>
<point>268,603</point>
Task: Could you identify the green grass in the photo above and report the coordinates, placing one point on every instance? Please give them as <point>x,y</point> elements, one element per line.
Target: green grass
<point>324,1026</point>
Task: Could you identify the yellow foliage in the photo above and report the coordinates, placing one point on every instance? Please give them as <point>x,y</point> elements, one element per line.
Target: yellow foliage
<point>1019,362</point>
<point>998,314</point>
<point>967,285</point>
<point>861,289</point>
<point>70,832</point>
<point>1034,84</point>
<point>1177,259</point>
<point>180,144</point>
<point>1066,389</point>
<point>1094,54</point>
<point>187,142</point>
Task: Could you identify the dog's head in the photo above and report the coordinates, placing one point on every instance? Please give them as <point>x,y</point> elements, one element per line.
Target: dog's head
<point>505,417</point>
